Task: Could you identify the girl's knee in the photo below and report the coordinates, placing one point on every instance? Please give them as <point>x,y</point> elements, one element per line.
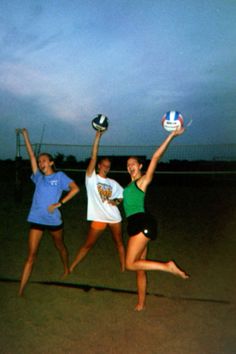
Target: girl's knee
<point>59,245</point>
<point>88,246</point>
<point>119,245</point>
<point>129,264</point>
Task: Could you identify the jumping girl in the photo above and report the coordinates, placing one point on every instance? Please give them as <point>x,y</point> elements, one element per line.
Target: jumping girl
<point>104,195</point>
<point>141,226</point>
<point>44,213</point>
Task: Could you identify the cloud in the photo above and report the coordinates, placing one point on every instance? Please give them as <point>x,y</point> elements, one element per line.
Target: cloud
<point>22,81</point>
<point>21,111</point>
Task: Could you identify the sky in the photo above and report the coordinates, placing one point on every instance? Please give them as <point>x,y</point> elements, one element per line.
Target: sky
<point>62,62</point>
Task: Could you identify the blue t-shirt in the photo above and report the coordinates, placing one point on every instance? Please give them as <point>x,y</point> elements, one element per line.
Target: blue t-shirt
<point>48,190</point>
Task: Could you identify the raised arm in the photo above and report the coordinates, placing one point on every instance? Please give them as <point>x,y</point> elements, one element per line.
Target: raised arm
<point>93,159</point>
<point>148,176</point>
<point>30,151</point>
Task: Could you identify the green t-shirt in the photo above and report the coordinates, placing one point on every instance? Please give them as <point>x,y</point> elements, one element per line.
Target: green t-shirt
<point>133,199</point>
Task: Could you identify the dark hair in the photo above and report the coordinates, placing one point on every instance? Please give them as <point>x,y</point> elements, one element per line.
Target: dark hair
<point>50,157</point>
<point>103,158</point>
<point>139,159</point>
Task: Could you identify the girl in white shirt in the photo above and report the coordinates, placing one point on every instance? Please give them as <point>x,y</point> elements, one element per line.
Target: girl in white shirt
<point>104,195</point>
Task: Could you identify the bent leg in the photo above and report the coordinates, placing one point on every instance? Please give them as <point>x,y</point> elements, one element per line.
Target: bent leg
<point>117,237</point>
<point>136,246</point>
<point>91,239</point>
<point>59,243</point>
<point>33,245</point>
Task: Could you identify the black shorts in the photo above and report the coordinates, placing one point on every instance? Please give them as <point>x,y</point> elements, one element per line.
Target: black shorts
<point>142,222</point>
<point>43,227</point>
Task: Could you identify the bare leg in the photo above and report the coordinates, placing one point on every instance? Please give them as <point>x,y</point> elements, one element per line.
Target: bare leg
<point>92,237</point>
<point>136,245</point>
<point>33,245</point>
<point>141,279</point>
<point>117,237</point>
<point>61,247</point>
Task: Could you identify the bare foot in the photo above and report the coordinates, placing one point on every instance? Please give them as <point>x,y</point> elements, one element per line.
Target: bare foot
<point>71,269</point>
<point>139,307</point>
<point>174,269</point>
<point>20,293</point>
<point>65,274</point>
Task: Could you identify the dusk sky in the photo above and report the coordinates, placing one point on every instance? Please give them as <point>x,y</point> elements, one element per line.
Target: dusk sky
<point>64,61</point>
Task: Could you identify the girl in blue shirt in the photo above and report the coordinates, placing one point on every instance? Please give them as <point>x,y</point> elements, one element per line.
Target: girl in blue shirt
<point>44,212</point>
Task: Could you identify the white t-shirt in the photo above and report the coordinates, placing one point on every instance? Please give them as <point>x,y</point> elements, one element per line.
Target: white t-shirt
<point>99,191</point>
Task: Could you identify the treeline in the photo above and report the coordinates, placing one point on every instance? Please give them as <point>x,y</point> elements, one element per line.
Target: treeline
<point>119,164</point>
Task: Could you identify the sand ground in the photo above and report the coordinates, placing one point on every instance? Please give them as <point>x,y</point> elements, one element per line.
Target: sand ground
<point>91,312</point>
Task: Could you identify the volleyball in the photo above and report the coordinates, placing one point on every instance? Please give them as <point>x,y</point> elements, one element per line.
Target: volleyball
<point>100,122</point>
<point>172,120</point>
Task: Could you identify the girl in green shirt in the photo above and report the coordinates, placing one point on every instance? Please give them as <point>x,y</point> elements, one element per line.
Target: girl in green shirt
<point>141,226</point>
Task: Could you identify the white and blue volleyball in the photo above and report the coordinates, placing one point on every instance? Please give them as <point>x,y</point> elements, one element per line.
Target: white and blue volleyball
<point>172,120</point>
<point>100,122</point>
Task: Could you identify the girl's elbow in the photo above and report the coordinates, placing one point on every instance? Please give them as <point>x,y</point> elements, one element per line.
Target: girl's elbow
<point>76,190</point>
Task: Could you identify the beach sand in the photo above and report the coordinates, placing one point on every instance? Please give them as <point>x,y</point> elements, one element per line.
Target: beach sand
<point>92,311</point>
